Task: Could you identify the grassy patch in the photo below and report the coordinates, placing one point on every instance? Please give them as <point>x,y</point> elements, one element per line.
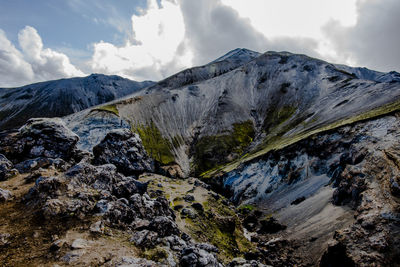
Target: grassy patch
<point>155,254</point>
<point>245,209</point>
<point>109,108</point>
<point>212,151</point>
<point>158,147</point>
<point>278,142</point>
<point>221,227</point>
<point>277,116</point>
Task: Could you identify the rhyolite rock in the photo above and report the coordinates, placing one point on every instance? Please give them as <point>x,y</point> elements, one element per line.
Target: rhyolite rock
<point>200,255</point>
<point>41,137</point>
<point>124,149</point>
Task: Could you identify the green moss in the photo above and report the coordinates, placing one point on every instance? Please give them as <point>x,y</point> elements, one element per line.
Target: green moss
<point>212,151</point>
<point>278,142</point>
<point>221,227</point>
<point>245,209</point>
<point>277,116</point>
<point>155,254</point>
<point>109,108</point>
<point>158,147</point>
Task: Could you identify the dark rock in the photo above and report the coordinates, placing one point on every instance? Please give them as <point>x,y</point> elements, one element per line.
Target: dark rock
<point>145,238</point>
<point>200,256</point>
<point>57,245</point>
<point>350,186</point>
<point>198,207</point>
<point>172,171</point>
<point>6,168</point>
<point>270,226</point>
<point>394,186</point>
<point>298,201</point>
<point>42,137</point>
<point>30,165</point>
<point>175,242</point>
<point>185,212</point>
<point>164,226</point>
<point>178,207</point>
<point>251,221</point>
<point>336,255</point>
<point>185,237</point>
<point>188,198</point>
<point>124,149</point>
<point>147,208</point>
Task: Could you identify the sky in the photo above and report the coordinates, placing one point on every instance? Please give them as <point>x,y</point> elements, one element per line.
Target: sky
<point>152,39</point>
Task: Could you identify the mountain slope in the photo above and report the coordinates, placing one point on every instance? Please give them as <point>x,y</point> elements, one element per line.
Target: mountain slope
<point>61,97</point>
<point>307,151</point>
<point>274,99</point>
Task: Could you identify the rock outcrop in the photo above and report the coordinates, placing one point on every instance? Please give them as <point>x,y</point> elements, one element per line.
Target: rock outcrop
<point>345,178</point>
<point>124,149</point>
<point>48,138</point>
<point>6,168</point>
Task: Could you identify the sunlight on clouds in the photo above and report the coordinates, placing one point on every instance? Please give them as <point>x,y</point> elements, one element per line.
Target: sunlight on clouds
<point>13,68</point>
<point>33,63</point>
<point>46,63</point>
<point>158,32</point>
<point>299,19</point>
<point>294,18</point>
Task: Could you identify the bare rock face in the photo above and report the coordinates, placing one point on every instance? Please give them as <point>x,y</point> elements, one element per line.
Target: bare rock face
<point>124,149</point>
<point>42,137</point>
<point>6,168</point>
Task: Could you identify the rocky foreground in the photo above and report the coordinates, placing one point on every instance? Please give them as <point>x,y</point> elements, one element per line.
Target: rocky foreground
<point>63,206</point>
<point>116,206</point>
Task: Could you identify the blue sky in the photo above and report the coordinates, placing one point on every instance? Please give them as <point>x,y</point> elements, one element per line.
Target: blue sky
<point>70,26</point>
<point>152,39</point>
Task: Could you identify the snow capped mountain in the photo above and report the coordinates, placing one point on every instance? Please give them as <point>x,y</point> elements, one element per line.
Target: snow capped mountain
<point>61,97</point>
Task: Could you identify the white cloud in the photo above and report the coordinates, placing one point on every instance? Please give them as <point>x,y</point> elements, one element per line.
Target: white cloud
<point>158,33</point>
<point>213,28</point>
<point>14,70</point>
<point>373,41</point>
<point>276,18</point>
<point>33,63</point>
<point>46,63</point>
<point>170,35</point>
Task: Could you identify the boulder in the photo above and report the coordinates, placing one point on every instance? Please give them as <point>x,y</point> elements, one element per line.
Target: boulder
<point>41,137</point>
<point>6,168</point>
<point>199,255</point>
<point>270,226</point>
<point>5,195</point>
<point>124,149</point>
<point>164,226</point>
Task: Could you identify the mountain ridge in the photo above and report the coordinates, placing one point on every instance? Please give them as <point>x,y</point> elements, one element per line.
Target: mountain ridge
<point>286,94</point>
<point>61,97</point>
<point>297,159</point>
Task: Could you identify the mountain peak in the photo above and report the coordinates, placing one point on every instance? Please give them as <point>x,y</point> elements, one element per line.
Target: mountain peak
<point>237,54</point>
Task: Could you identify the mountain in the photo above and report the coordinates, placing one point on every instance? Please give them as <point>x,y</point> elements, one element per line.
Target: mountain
<point>61,97</point>
<point>205,118</point>
<point>273,159</point>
